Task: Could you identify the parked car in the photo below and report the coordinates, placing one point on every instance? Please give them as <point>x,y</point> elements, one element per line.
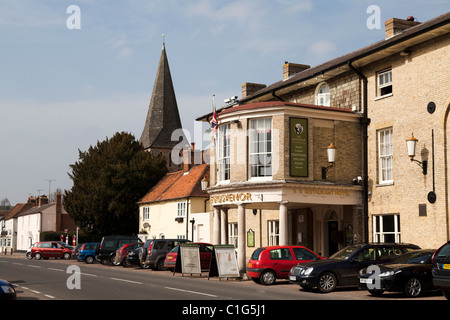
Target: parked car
<point>205,250</point>
<point>157,252</point>
<point>268,264</point>
<point>122,252</point>
<point>410,273</point>
<point>7,291</point>
<point>87,252</point>
<point>342,268</point>
<point>136,257</point>
<point>109,244</point>
<point>441,269</point>
<point>76,250</point>
<point>51,249</point>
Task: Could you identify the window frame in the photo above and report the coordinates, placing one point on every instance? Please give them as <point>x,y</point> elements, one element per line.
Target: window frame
<point>259,149</point>
<point>325,96</point>
<point>233,234</point>
<point>223,151</point>
<point>379,235</point>
<point>181,209</point>
<point>381,87</point>
<point>385,173</point>
<point>273,232</point>
<point>145,213</point>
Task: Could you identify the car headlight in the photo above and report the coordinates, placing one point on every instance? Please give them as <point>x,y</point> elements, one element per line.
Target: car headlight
<point>387,273</point>
<point>7,289</point>
<point>306,272</point>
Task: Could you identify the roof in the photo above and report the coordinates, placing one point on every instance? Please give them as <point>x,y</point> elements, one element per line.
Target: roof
<point>163,117</point>
<point>378,50</point>
<point>40,209</point>
<point>18,209</point>
<point>177,185</point>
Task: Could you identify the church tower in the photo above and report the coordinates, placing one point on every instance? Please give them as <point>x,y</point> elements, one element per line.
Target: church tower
<point>163,117</point>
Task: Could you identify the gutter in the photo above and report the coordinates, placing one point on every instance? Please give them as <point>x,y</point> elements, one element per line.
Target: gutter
<point>365,121</point>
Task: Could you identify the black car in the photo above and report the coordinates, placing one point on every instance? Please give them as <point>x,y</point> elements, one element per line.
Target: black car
<point>7,291</point>
<point>136,257</point>
<point>107,250</point>
<point>441,269</point>
<point>409,273</point>
<point>342,268</point>
<point>158,250</point>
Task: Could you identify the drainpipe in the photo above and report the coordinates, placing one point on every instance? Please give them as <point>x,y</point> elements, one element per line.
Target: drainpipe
<point>365,121</point>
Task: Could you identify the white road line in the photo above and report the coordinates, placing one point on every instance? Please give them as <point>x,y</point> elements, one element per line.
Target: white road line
<point>19,264</point>
<point>34,266</point>
<point>194,292</point>
<point>49,296</point>
<point>34,291</point>
<point>54,269</point>
<point>89,275</point>
<point>117,279</point>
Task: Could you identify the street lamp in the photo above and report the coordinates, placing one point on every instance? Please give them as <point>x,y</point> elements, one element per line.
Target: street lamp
<point>331,153</point>
<point>204,183</point>
<point>411,148</point>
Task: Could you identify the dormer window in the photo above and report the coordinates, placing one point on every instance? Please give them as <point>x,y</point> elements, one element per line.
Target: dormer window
<point>323,95</point>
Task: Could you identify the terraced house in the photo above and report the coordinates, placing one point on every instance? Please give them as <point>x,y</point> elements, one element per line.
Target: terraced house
<point>320,157</point>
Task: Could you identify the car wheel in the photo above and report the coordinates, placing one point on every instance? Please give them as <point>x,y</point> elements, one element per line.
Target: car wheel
<point>160,265</point>
<point>29,256</point>
<point>66,256</point>
<point>446,294</point>
<point>267,277</point>
<point>413,287</point>
<point>126,264</point>
<point>37,256</point>
<point>89,259</point>
<point>376,293</point>
<point>326,282</point>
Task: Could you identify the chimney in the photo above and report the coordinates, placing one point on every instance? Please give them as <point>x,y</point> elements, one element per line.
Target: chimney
<point>191,157</point>
<point>396,26</point>
<point>58,212</point>
<point>250,88</point>
<point>43,200</point>
<point>290,69</point>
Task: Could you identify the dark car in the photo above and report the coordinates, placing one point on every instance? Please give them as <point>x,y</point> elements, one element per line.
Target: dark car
<point>122,253</point>
<point>409,273</point>
<point>136,257</point>
<point>7,291</point>
<point>87,252</point>
<point>441,269</point>
<point>158,250</point>
<point>342,268</point>
<point>107,250</point>
<point>268,264</point>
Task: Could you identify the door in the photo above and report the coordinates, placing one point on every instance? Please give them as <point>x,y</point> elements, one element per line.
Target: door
<point>333,237</point>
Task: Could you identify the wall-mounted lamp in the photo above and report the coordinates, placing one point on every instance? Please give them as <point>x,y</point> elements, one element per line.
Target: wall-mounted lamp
<point>204,183</point>
<point>331,153</point>
<point>411,146</point>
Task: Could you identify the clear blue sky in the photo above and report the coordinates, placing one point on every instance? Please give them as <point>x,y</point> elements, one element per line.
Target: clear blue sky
<point>62,90</point>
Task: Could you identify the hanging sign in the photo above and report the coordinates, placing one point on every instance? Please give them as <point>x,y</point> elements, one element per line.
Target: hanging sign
<point>298,147</point>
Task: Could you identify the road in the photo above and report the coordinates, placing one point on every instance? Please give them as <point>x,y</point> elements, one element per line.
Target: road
<point>54,280</point>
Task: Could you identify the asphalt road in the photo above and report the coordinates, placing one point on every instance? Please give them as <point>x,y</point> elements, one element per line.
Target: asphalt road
<point>55,280</point>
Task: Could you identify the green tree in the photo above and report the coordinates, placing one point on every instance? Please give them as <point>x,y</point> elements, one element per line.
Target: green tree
<point>108,180</point>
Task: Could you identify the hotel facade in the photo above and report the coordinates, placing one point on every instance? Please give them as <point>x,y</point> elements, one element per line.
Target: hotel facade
<point>320,157</point>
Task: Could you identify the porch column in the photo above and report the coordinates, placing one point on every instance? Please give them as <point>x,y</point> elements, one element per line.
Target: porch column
<point>216,228</point>
<point>223,226</point>
<point>241,239</point>
<point>283,224</point>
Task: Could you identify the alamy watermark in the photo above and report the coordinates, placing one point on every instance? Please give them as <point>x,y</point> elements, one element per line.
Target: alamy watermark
<point>73,22</point>
<point>374,20</point>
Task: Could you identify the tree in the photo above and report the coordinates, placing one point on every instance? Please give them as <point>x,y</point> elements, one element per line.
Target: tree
<point>108,181</point>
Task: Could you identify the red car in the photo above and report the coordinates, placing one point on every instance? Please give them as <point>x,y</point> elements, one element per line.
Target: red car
<point>121,254</point>
<point>51,249</point>
<point>206,250</point>
<point>269,263</point>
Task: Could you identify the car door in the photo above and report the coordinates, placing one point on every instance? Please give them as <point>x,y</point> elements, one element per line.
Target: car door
<point>281,260</point>
<point>57,250</point>
<point>349,271</point>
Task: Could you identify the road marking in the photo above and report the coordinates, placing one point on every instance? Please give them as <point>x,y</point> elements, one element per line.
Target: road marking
<point>194,292</point>
<point>20,264</point>
<point>54,269</point>
<point>88,274</point>
<point>34,291</point>
<point>126,280</point>
<point>49,296</point>
<point>34,266</point>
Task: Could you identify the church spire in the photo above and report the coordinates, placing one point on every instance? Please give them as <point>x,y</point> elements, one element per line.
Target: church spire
<point>163,117</point>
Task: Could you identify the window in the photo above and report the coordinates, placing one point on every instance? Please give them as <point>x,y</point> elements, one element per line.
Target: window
<point>273,232</point>
<point>323,95</point>
<point>260,148</point>
<point>146,213</point>
<point>181,212</point>
<point>385,157</point>
<point>386,228</point>
<point>280,254</point>
<point>223,153</point>
<point>233,234</point>
<point>384,82</point>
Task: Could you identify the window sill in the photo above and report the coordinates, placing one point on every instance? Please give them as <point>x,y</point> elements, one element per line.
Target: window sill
<point>382,97</point>
<point>385,184</point>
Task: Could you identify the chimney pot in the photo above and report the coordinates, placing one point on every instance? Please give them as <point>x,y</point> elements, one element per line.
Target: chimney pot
<point>396,26</point>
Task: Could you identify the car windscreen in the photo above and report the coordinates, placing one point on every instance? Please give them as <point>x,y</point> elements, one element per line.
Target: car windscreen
<point>256,253</point>
<point>413,257</point>
<point>345,253</point>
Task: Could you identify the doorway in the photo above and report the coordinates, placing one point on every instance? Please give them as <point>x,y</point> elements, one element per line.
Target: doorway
<point>333,237</point>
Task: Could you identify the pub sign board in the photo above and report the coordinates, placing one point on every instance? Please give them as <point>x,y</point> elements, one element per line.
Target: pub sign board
<point>298,147</point>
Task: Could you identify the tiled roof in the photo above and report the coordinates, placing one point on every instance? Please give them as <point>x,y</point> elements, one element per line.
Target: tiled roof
<point>178,185</point>
<point>18,209</point>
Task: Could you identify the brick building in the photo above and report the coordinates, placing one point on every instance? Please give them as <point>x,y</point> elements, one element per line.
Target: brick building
<point>267,187</point>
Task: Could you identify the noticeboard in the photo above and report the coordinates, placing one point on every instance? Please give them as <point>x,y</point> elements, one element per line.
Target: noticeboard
<point>190,258</point>
<point>224,262</point>
<point>298,147</point>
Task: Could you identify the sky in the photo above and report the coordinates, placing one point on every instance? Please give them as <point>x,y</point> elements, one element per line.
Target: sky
<point>73,76</point>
